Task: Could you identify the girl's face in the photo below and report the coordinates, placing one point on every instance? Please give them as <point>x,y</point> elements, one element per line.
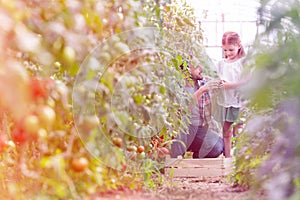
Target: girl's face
<point>231,51</point>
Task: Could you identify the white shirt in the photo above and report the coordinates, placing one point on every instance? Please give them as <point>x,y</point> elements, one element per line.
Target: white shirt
<point>230,72</point>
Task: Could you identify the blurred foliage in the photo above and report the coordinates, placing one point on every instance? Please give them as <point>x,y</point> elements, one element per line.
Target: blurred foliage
<point>267,152</point>
<point>87,106</point>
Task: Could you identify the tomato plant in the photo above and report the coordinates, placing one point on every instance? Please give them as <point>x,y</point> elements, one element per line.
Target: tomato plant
<point>94,112</point>
<point>268,148</point>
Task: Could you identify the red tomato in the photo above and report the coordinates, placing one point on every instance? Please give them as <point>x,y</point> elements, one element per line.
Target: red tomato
<point>117,141</point>
<point>37,88</point>
<point>140,149</point>
<point>79,164</point>
<point>3,143</point>
<point>124,166</point>
<point>20,136</point>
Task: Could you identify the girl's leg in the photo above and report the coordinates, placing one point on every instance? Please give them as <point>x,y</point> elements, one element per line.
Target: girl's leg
<point>227,135</point>
<point>236,129</point>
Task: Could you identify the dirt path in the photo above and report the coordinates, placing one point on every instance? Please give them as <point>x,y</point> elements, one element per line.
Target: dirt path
<point>191,189</point>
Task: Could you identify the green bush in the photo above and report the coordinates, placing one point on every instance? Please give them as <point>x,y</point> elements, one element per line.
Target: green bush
<point>268,149</point>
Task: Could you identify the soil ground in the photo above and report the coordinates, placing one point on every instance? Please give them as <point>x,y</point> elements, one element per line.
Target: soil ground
<point>191,189</point>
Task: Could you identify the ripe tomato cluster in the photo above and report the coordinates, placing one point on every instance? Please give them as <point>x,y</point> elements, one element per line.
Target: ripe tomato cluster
<point>155,150</point>
<point>44,116</point>
<point>133,151</point>
<point>40,115</point>
<point>34,124</point>
<point>159,148</point>
<point>40,88</point>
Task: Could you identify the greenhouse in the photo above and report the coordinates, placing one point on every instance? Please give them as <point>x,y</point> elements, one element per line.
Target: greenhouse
<point>128,99</point>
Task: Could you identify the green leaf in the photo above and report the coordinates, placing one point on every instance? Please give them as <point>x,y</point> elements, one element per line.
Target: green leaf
<point>138,99</point>
<point>74,69</point>
<point>172,174</point>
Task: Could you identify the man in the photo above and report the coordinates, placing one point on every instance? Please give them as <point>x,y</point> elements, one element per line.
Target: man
<point>200,139</point>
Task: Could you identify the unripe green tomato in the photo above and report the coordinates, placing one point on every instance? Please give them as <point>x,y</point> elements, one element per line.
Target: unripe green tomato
<point>47,116</point>
<point>131,148</point>
<point>121,47</point>
<point>141,155</point>
<point>69,54</point>
<point>90,122</point>
<point>31,124</point>
<point>105,56</point>
<point>42,133</point>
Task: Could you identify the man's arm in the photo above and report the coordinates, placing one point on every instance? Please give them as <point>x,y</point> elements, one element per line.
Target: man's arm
<point>197,95</point>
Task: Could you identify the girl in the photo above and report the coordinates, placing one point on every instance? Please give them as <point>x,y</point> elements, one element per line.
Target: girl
<point>229,71</point>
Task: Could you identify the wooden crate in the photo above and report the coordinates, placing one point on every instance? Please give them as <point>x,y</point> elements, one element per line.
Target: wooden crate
<point>204,167</point>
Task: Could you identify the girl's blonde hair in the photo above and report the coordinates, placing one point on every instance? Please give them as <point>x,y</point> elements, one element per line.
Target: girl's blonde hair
<point>232,38</point>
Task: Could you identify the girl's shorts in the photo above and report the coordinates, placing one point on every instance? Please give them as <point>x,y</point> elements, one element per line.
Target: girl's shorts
<point>231,114</point>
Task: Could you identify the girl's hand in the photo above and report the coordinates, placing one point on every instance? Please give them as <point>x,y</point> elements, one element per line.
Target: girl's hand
<point>221,83</point>
<point>214,84</point>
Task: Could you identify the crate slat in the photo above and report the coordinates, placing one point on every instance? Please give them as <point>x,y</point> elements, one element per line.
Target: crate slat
<point>205,167</point>
<point>205,162</point>
<point>198,172</point>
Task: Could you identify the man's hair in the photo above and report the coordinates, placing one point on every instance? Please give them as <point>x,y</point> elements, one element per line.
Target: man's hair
<point>187,64</point>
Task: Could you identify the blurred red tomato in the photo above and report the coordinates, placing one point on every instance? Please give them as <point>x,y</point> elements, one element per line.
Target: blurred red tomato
<point>20,136</point>
<point>40,87</point>
<point>3,143</point>
<point>140,149</point>
<point>117,141</point>
<point>79,164</point>
<point>37,88</point>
